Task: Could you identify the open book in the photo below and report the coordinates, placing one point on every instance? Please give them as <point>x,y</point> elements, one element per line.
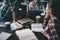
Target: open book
<point>26,34</point>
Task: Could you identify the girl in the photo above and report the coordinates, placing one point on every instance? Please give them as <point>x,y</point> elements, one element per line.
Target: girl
<point>50,23</point>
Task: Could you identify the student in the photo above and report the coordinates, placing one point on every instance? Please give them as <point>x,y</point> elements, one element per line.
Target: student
<point>34,5</point>
<point>50,22</point>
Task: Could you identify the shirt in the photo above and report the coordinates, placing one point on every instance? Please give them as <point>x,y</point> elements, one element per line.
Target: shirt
<point>33,6</point>
<point>51,28</point>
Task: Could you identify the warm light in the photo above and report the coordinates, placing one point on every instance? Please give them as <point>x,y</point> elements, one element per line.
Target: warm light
<point>20,9</point>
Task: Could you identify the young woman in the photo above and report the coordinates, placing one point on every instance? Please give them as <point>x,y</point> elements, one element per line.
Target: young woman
<point>49,23</point>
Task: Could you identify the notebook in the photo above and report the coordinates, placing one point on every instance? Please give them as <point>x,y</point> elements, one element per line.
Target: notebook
<point>4,35</point>
<point>36,27</point>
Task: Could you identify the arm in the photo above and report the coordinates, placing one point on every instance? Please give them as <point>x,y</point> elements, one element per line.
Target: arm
<point>45,33</point>
<point>45,29</point>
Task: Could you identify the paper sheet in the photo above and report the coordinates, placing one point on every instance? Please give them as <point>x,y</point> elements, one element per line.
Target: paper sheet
<point>4,35</point>
<point>36,27</point>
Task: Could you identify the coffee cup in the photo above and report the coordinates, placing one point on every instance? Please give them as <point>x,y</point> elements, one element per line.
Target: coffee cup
<point>38,19</point>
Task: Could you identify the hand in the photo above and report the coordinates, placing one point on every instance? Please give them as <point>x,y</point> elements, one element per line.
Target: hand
<point>45,33</point>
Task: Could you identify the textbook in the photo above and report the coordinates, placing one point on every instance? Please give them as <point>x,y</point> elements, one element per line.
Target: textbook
<point>26,34</point>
